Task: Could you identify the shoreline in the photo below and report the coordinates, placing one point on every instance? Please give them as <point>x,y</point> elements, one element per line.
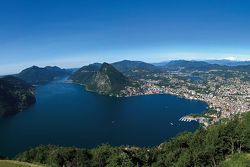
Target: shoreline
<point>183,118</point>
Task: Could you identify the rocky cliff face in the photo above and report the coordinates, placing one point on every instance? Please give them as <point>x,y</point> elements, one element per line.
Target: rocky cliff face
<point>101,83</point>
<point>15,95</point>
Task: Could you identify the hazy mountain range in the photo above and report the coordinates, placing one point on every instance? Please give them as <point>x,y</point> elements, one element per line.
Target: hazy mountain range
<point>228,62</point>
<point>38,75</point>
<point>225,62</point>
<point>109,79</point>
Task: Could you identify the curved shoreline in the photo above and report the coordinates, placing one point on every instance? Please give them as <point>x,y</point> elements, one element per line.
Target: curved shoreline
<point>201,120</point>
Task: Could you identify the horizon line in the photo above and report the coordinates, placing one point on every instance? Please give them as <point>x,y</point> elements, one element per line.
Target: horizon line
<point>23,67</point>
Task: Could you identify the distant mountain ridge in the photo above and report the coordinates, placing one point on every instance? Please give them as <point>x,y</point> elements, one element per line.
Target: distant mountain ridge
<point>127,66</point>
<point>228,62</point>
<point>124,66</point>
<point>92,74</point>
<point>132,69</point>
<point>104,80</point>
<point>190,65</point>
<point>184,65</point>
<point>15,95</point>
<point>223,62</point>
<point>38,75</point>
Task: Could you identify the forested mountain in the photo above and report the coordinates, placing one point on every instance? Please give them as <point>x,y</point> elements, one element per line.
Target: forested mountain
<point>85,74</point>
<point>15,95</point>
<point>104,80</point>
<point>38,75</point>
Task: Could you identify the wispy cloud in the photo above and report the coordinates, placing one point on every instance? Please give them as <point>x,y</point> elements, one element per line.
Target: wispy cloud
<point>231,58</point>
<point>237,58</point>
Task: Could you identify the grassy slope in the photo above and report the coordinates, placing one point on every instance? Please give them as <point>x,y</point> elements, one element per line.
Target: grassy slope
<point>237,160</point>
<point>9,163</point>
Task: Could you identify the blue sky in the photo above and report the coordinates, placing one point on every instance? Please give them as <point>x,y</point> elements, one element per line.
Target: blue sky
<point>72,33</point>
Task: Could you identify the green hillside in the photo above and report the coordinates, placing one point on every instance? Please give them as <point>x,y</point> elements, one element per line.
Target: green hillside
<point>15,95</point>
<point>9,163</point>
<point>237,160</point>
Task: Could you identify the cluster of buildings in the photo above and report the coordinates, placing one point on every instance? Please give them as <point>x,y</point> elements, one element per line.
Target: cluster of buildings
<point>225,95</point>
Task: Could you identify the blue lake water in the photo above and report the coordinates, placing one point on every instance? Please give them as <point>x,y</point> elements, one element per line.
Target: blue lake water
<point>67,115</point>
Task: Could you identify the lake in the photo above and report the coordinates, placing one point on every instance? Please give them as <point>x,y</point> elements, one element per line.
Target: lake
<point>67,115</point>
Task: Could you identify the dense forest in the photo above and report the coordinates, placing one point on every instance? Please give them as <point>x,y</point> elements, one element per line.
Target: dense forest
<point>217,145</point>
<point>15,95</point>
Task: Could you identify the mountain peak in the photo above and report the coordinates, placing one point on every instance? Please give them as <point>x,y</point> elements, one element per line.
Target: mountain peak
<point>107,80</point>
<point>34,67</point>
<point>105,67</point>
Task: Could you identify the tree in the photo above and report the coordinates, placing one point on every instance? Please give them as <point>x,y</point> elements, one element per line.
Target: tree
<point>101,155</point>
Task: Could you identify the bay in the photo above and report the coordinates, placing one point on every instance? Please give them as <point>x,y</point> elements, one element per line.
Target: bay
<point>67,115</point>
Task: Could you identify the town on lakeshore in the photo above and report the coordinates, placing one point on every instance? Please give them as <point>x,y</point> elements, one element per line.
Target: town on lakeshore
<point>226,91</point>
<point>225,97</point>
<point>124,83</point>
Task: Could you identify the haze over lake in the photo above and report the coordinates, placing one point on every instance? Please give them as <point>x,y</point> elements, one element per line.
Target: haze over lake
<point>67,115</point>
